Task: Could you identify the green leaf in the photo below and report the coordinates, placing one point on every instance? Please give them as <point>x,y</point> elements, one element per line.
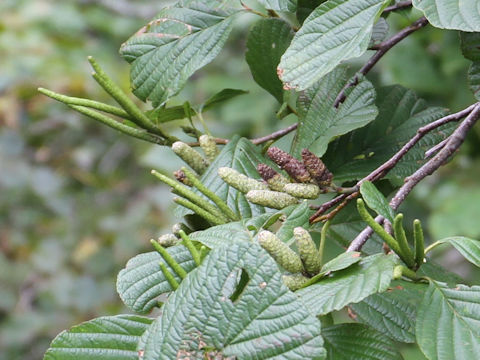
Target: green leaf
<point>335,31</point>
<point>359,342</point>
<point>267,40</point>
<point>320,121</point>
<point>305,8</point>
<point>451,14</point>
<point>280,5</point>
<point>342,261</point>
<point>474,79</point>
<point>169,49</point>
<point>376,201</point>
<point>369,276</point>
<point>239,154</point>
<point>298,217</point>
<point>401,113</point>
<point>108,337</point>
<point>164,114</point>
<point>448,322</point>
<point>212,309</point>
<point>470,45</point>
<point>141,281</point>
<point>394,311</point>
<point>469,248</point>
<point>379,32</point>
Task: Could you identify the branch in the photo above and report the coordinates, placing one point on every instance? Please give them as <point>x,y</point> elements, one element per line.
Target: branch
<point>397,6</point>
<point>454,142</point>
<point>275,135</point>
<point>383,169</point>
<point>382,49</point>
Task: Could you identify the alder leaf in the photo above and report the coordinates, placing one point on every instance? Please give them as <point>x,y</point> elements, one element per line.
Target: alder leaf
<point>376,201</point>
<point>469,248</point>
<point>216,313</point>
<point>108,337</point>
<point>335,31</point>
<point>279,5</point>
<point>451,14</point>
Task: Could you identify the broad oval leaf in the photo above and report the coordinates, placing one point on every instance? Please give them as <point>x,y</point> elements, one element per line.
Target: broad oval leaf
<point>142,281</point>
<point>279,5</point>
<point>376,201</point>
<point>169,49</point>
<point>451,14</point>
<point>108,337</point>
<point>474,79</point>
<point>394,311</point>
<point>254,319</point>
<point>359,342</point>
<point>320,121</point>
<point>298,217</point>
<point>267,40</point>
<point>469,248</point>
<point>335,31</point>
<point>401,113</point>
<point>342,261</point>
<point>448,322</point>
<point>239,154</point>
<point>371,275</point>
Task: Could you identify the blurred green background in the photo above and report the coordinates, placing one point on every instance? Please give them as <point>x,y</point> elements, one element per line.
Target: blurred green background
<point>76,198</point>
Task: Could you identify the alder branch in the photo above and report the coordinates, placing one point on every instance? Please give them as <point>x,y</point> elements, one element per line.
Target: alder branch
<point>382,49</point>
<point>455,140</point>
<point>398,6</point>
<point>275,135</point>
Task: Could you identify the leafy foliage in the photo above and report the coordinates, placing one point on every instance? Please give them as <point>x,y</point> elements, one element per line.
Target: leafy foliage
<point>376,201</point>
<point>451,14</point>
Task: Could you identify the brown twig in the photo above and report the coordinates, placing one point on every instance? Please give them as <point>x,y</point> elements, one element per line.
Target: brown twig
<point>275,135</point>
<point>382,49</point>
<point>383,169</point>
<point>397,6</point>
<point>454,142</point>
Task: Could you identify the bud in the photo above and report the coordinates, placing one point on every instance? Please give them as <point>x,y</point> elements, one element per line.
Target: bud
<point>271,199</point>
<point>239,181</point>
<point>307,250</point>
<point>316,168</point>
<point>274,180</point>
<point>287,162</point>
<point>209,147</point>
<point>283,255</point>
<point>190,156</point>
<point>305,191</point>
<point>181,177</point>
<point>295,281</point>
<point>168,240</point>
<point>180,226</point>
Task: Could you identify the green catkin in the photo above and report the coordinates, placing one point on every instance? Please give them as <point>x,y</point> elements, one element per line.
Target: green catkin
<point>181,177</point>
<point>239,181</point>
<point>272,199</point>
<point>419,242</point>
<point>402,241</point>
<point>189,245</point>
<point>307,250</point>
<point>168,240</point>
<point>169,277</point>
<point>169,259</point>
<point>210,194</point>
<point>283,255</point>
<point>209,147</point>
<point>190,156</point>
<point>295,281</point>
<point>303,191</point>
<point>203,252</point>
<point>212,219</point>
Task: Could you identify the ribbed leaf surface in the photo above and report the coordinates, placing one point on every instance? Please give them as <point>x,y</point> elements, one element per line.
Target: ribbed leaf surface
<point>336,30</point>
<point>263,320</point>
<point>451,14</point>
<point>169,49</point>
<point>394,311</point>
<point>142,281</point>
<point>469,248</point>
<point>376,201</point>
<point>108,337</point>
<point>359,342</point>
<point>371,275</point>
<point>320,121</point>
<point>401,113</point>
<point>448,322</point>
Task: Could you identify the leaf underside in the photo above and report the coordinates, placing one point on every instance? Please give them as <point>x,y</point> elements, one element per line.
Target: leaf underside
<point>451,14</point>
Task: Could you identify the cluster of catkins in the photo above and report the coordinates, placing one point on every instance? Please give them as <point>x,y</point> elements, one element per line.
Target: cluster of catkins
<point>308,179</point>
<point>302,265</point>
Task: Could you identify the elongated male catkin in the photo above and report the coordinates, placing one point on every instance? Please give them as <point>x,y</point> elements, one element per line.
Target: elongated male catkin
<point>275,181</point>
<point>271,199</point>
<point>190,156</point>
<point>307,250</point>
<point>283,255</point>
<point>239,181</point>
